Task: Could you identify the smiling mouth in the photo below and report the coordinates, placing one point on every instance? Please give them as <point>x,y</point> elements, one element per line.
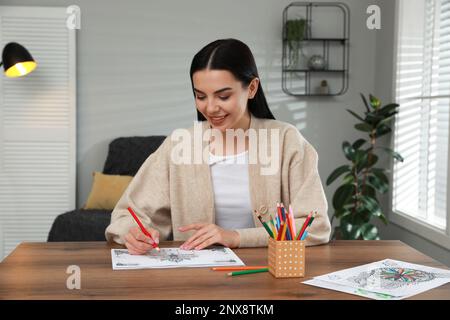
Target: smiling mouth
<point>218,119</point>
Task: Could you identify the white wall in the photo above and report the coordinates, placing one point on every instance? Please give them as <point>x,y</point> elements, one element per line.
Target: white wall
<point>133,75</point>
<point>133,71</point>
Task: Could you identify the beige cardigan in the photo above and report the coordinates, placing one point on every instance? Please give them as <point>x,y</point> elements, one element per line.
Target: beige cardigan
<point>166,195</point>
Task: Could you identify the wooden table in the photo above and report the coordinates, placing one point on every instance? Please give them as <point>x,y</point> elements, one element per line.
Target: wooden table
<point>38,271</point>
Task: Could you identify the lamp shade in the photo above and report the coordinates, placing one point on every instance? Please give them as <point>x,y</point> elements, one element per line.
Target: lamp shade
<point>17,61</point>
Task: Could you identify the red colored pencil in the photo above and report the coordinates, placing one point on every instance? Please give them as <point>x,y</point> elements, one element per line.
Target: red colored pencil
<point>144,231</point>
<point>305,224</point>
<point>280,231</point>
<point>280,216</point>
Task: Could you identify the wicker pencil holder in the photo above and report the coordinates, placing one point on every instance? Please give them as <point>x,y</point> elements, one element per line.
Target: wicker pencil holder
<point>287,258</point>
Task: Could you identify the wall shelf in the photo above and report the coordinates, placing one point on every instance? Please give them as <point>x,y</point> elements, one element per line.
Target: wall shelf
<point>327,34</point>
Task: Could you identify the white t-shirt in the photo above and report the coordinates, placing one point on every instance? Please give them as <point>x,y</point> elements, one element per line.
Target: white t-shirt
<point>231,191</point>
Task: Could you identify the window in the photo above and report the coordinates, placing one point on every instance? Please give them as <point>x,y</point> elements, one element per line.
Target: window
<point>421,135</point>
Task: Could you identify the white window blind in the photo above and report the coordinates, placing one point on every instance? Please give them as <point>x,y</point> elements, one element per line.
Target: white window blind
<point>37,126</point>
<point>422,88</point>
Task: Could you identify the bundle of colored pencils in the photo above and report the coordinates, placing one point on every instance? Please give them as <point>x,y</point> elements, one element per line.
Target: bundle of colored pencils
<point>282,227</point>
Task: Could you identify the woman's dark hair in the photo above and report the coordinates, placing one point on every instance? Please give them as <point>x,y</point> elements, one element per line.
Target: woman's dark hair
<point>234,56</point>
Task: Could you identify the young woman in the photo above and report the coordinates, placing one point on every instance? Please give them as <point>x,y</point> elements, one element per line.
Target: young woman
<point>212,202</point>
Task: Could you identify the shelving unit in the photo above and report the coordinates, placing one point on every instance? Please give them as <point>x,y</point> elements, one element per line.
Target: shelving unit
<point>319,40</point>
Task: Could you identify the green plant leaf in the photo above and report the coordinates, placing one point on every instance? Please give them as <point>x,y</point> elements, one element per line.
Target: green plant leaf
<point>373,119</point>
<point>387,109</point>
<point>349,231</point>
<point>348,150</point>
<point>365,127</point>
<point>337,172</point>
<point>385,121</point>
<point>379,173</point>
<point>373,159</point>
<point>374,102</point>
<point>369,231</point>
<point>341,213</point>
<point>361,217</point>
<point>365,102</point>
<point>383,218</point>
<point>368,190</point>
<point>371,203</point>
<point>382,130</point>
<point>358,143</point>
<point>356,115</point>
<point>365,161</point>
<point>380,185</point>
<point>349,178</point>
<point>342,195</point>
<point>373,209</point>
<point>360,160</point>
<point>396,155</point>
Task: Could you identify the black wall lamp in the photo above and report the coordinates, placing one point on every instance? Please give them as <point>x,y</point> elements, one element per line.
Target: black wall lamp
<point>16,60</point>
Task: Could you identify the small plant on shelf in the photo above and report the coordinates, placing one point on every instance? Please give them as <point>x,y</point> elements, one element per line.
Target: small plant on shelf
<point>295,34</point>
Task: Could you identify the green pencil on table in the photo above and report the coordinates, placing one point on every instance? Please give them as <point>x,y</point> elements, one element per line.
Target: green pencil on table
<point>237,273</point>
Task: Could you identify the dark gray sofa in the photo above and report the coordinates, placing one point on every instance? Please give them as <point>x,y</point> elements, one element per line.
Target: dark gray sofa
<point>125,157</point>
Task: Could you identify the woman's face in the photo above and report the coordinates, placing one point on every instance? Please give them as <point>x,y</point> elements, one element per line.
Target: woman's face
<point>222,100</point>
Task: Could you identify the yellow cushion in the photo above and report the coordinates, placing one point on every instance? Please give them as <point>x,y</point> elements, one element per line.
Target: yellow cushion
<point>106,190</point>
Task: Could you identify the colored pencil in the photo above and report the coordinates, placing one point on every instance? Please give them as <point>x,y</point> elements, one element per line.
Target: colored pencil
<point>238,268</point>
<point>237,273</point>
<point>294,229</point>
<point>312,218</point>
<point>305,224</point>
<point>267,228</point>
<point>144,231</point>
<point>288,228</point>
<point>271,225</point>
<point>275,227</point>
<point>283,212</point>
<point>283,232</point>
<point>291,233</point>
<point>288,222</point>
<point>280,231</point>
<point>280,217</point>
<point>304,235</point>
<point>264,224</point>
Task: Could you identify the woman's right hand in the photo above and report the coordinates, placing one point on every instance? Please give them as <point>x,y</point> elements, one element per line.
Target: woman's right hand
<point>138,243</point>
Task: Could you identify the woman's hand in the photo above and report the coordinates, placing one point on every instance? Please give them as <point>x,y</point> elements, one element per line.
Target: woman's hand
<point>208,234</point>
<point>137,242</point>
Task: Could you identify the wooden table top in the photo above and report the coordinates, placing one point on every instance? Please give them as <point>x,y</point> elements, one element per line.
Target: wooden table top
<point>38,271</point>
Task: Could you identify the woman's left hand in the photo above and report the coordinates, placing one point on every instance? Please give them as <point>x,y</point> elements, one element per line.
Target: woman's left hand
<point>208,234</point>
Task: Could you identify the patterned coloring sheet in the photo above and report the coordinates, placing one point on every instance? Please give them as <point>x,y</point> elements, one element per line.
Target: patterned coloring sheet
<point>386,279</point>
<point>175,258</point>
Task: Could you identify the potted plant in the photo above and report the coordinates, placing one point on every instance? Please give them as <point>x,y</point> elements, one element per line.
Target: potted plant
<point>295,33</point>
<point>355,201</point>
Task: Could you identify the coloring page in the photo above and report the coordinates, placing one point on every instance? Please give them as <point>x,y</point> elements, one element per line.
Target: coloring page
<point>175,257</point>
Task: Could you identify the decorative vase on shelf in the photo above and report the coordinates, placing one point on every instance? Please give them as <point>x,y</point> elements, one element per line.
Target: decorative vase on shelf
<point>324,88</point>
<point>316,62</point>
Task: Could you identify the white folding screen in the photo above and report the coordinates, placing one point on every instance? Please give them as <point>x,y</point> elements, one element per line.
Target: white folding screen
<point>37,126</point>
